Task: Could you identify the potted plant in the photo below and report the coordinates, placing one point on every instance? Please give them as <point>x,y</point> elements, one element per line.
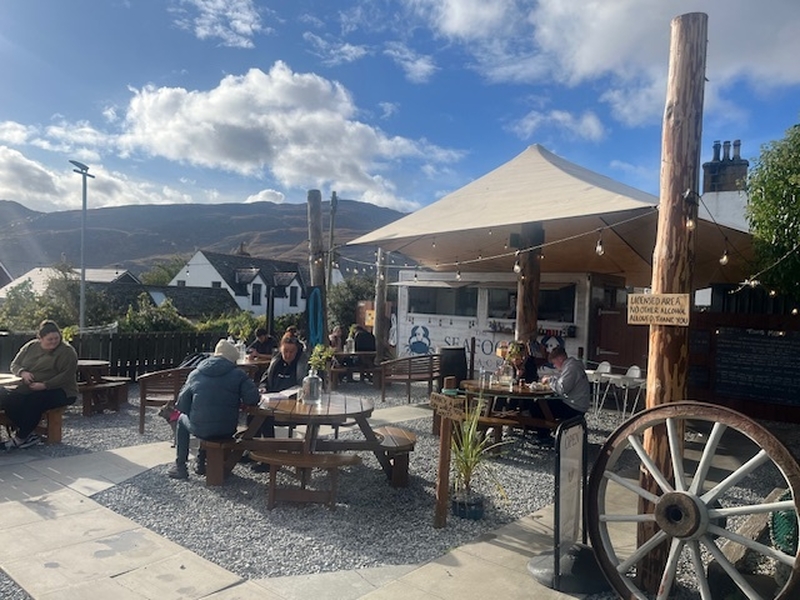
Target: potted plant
<point>470,452</point>
<point>321,357</point>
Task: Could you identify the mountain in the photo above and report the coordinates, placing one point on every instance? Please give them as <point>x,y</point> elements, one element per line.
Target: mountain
<point>136,237</point>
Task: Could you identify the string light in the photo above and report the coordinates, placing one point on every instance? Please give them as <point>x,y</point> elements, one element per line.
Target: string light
<point>723,260</point>
<point>598,248</point>
<point>690,224</point>
<point>458,275</point>
<point>517,266</point>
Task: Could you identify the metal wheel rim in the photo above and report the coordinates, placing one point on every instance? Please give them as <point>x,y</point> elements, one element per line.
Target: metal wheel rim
<point>724,418</point>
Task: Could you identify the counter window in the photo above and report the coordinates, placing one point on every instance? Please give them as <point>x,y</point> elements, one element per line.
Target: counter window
<point>555,303</point>
<point>461,302</point>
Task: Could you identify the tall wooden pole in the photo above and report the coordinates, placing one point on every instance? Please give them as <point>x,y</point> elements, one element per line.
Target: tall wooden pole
<point>329,266</point>
<point>316,261</point>
<point>673,256</point>
<point>379,328</point>
<point>530,276</point>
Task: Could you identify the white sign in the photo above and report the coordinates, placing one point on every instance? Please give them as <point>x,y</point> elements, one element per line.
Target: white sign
<point>569,491</point>
<point>659,309</point>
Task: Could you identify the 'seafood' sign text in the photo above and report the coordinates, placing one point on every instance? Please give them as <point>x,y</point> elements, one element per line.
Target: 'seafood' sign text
<point>658,309</point>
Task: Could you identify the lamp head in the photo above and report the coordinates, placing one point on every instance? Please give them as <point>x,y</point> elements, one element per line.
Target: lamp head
<point>80,165</point>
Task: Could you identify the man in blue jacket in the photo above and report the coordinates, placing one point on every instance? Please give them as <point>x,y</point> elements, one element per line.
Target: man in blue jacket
<point>209,404</point>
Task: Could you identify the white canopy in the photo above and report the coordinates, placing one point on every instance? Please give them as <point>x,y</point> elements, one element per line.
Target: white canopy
<point>471,227</point>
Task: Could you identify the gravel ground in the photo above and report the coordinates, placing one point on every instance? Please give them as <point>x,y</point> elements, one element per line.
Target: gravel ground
<point>230,525</point>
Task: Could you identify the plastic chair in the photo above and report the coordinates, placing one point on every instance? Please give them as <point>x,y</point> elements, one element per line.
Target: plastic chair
<point>597,378</point>
<point>630,381</point>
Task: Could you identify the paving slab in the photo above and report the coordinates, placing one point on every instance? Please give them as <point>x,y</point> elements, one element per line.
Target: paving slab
<point>184,575</point>
<point>46,572</point>
<point>342,585</point>
<point>47,507</point>
<point>248,590</point>
<point>21,482</point>
<point>98,589</point>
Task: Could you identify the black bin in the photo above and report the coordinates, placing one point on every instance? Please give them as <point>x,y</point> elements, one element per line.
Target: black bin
<point>454,364</point>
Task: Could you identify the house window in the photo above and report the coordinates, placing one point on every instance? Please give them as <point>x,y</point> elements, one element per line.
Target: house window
<point>216,284</point>
<point>293,296</point>
<point>462,302</point>
<point>181,283</point>
<point>255,296</point>
<point>555,304</point>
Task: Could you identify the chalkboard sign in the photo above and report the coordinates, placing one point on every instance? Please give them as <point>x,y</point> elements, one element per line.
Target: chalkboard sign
<point>761,364</point>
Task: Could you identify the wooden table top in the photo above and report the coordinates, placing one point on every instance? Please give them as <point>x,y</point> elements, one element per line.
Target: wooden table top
<point>92,363</point>
<point>333,408</point>
<point>522,391</point>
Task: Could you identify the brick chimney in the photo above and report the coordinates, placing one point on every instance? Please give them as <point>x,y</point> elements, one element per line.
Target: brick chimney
<point>726,174</point>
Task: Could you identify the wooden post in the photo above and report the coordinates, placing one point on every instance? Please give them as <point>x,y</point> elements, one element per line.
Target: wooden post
<point>329,265</point>
<point>379,328</point>
<point>529,281</point>
<point>316,256</point>
<point>673,256</point>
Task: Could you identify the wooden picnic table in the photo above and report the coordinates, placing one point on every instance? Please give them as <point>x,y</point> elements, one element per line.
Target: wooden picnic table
<point>347,363</point>
<point>513,418</point>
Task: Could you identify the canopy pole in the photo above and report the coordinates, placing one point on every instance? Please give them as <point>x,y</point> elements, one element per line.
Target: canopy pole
<point>529,281</point>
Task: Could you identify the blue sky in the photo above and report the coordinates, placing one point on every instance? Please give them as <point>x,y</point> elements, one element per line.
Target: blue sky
<point>393,102</point>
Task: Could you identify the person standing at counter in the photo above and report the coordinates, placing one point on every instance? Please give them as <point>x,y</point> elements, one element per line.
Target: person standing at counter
<point>48,368</point>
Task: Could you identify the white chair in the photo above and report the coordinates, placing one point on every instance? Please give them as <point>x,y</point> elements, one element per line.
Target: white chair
<point>597,377</point>
<point>630,381</point>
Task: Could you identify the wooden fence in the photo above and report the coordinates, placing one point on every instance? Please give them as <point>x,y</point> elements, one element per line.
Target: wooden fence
<point>130,354</point>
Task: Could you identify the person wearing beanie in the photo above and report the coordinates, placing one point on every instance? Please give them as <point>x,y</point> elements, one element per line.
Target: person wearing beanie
<point>48,368</point>
<point>209,405</point>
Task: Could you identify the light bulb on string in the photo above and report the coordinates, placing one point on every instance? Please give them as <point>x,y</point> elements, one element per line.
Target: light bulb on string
<point>415,277</point>
<point>598,248</point>
<point>458,275</point>
<point>723,260</point>
<point>772,293</point>
<point>690,224</point>
<point>433,244</point>
<point>517,265</point>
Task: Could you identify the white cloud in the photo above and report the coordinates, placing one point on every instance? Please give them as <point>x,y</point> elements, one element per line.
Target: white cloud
<point>233,22</point>
<point>622,46</point>
<point>418,69</point>
<point>585,126</point>
<point>335,53</point>
<point>267,196</point>
<point>298,127</point>
<point>388,109</point>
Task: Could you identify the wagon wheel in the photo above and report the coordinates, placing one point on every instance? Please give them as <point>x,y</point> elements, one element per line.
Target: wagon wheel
<point>710,491</point>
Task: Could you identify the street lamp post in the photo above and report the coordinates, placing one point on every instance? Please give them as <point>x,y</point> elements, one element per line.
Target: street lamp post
<point>83,171</point>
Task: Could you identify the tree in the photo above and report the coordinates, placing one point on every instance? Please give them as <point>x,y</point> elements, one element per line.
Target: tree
<point>163,272</point>
<point>147,317</point>
<point>773,210</point>
<point>343,299</point>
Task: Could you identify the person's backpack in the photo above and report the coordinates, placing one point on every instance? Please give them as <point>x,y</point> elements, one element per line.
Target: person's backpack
<point>195,359</point>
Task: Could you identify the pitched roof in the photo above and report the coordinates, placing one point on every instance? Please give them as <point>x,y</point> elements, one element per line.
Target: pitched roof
<point>190,302</point>
<point>238,271</point>
<point>472,227</point>
<point>41,276</point>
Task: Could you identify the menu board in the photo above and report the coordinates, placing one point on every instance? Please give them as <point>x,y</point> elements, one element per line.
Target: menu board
<point>762,364</point>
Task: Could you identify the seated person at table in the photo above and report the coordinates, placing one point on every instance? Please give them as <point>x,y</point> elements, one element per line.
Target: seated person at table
<point>48,368</point>
<point>264,344</point>
<point>292,331</point>
<point>336,339</point>
<point>286,370</point>
<point>364,341</point>
<point>571,384</point>
<point>209,404</point>
<point>525,371</point>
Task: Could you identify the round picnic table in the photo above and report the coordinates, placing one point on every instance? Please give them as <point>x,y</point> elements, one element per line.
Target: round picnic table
<point>9,379</point>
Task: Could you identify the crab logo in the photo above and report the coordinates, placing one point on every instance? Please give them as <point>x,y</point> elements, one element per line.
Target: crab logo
<point>419,342</point>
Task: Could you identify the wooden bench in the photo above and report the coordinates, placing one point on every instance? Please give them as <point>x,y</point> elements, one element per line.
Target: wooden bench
<point>304,461</point>
<point>218,450</point>
<point>422,367</point>
<point>397,443</point>
<point>159,388</point>
<point>106,394</point>
<point>49,426</point>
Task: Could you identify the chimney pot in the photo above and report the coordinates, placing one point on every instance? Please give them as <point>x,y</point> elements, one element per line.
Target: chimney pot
<point>737,149</point>
<point>726,150</point>
<point>716,151</point>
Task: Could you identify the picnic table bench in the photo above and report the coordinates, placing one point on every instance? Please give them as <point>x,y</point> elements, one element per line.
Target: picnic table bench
<point>49,426</point>
<point>158,388</point>
<point>407,369</point>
